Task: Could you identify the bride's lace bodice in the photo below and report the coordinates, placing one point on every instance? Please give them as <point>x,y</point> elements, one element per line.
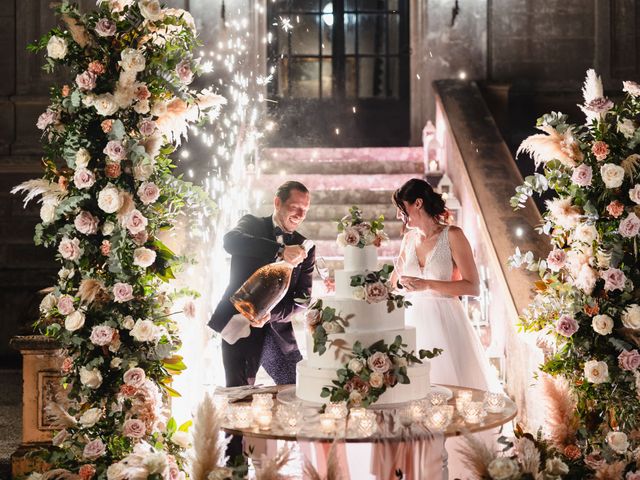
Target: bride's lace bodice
<point>438,265</point>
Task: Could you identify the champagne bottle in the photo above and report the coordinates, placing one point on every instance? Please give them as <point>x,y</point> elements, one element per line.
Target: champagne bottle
<point>265,288</point>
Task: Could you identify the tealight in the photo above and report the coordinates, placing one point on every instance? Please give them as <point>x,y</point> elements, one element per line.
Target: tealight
<point>417,410</point>
<point>337,410</point>
<point>439,417</point>
<point>494,402</point>
<point>288,416</point>
<point>367,424</point>
<point>264,419</point>
<point>466,395</point>
<point>262,400</point>
<point>241,415</point>
<point>474,412</point>
<point>327,423</point>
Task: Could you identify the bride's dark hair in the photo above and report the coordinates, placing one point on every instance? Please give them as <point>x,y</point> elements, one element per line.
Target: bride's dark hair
<point>432,202</point>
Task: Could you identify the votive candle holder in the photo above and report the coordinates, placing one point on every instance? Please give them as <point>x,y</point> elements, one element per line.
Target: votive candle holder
<point>264,419</point>
<point>494,402</point>
<point>437,398</point>
<point>474,412</point>
<point>241,416</point>
<point>327,423</point>
<point>288,416</point>
<point>337,410</point>
<point>262,400</point>
<point>439,417</point>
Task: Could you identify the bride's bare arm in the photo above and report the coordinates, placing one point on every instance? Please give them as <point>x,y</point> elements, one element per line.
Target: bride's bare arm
<point>468,282</point>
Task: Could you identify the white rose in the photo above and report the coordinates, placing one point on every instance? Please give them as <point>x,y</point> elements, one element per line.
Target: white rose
<point>340,240</point>
<point>627,128</point>
<point>148,192</point>
<point>128,322</point>
<point>74,321</point>
<point>48,302</point>
<point>144,331</point>
<point>585,233</point>
<point>376,379</point>
<point>618,442</point>
<point>141,107</point>
<point>107,228</point>
<point>631,316</point>
<point>70,249</point>
<point>151,10</point>
<point>612,175</point>
<point>90,378</point>
<point>555,466</point>
<point>132,60</point>
<point>91,417</point>
<point>117,471</point>
<point>82,158</point>
<point>332,327</point>
<point>48,212</point>
<point>355,397</point>
<point>358,292</point>
<point>66,273</point>
<point>181,438</point>
<point>503,468</point>
<point>144,257</point>
<point>634,193</point>
<point>142,171</point>
<point>109,199</point>
<point>596,372</point>
<point>602,324</point>
<point>57,47</point>
<point>355,365</point>
<point>105,104</point>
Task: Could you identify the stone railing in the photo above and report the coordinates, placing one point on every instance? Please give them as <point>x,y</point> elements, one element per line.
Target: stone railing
<point>484,176</point>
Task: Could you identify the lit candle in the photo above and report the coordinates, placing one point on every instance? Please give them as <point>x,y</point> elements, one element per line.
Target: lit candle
<point>474,412</point>
<point>242,416</point>
<point>367,424</point>
<point>264,419</point>
<point>433,166</point>
<point>494,402</point>
<point>417,410</point>
<point>439,417</point>
<point>262,400</point>
<point>337,410</point>
<point>327,423</point>
<point>437,398</point>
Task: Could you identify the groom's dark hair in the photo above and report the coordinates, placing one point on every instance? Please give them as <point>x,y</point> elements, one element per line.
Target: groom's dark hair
<point>284,190</point>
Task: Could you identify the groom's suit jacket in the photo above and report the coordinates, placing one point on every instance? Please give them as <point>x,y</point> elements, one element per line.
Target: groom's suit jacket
<point>252,244</point>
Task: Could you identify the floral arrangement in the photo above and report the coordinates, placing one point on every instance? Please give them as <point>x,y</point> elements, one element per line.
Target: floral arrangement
<point>374,287</point>
<point>588,297</point>
<point>107,194</point>
<point>372,370</point>
<point>355,232</point>
<point>322,322</point>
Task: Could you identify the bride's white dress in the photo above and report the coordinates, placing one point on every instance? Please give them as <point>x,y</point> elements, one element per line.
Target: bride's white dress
<point>441,321</point>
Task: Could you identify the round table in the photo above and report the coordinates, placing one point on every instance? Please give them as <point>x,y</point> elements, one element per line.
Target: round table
<point>411,432</point>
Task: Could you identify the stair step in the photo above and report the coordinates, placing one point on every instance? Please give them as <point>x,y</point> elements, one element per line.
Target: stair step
<point>344,154</point>
<point>327,230</point>
<point>330,167</point>
<point>349,182</point>
<point>334,212</point>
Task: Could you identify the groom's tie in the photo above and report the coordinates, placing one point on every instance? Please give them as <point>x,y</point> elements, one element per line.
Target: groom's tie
<point>286,237</point>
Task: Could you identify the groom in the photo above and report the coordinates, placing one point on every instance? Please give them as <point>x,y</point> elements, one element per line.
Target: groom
<point>255,242</point>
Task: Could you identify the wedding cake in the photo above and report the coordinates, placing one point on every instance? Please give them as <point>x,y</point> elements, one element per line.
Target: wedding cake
<point>364,312</point>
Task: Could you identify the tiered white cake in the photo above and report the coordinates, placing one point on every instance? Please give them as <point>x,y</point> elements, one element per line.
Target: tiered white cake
<point>368,323</point>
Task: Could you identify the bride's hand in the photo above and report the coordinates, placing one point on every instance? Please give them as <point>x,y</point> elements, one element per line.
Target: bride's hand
<point>414,284</point>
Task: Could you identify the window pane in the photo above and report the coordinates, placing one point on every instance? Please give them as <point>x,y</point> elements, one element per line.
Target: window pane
<point>393,85</point>
<point>371,30</point>
<point>327,35</point>
<point>394,33</point>
<point>283,42</point>
<point>283,77</point>
<point>350,34</point>
<point>305,77</point>
<point>350,78</point>
<point>380,5</point>
<point>327,80</point>
<point>304,36</point>
<point>372,77</point>
<point>305,5</point>
<point>350,5</point>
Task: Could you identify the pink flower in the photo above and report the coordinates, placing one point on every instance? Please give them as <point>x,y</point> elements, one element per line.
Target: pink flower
<point>122,292</point>
<point>140,238</point>
<point>101,335</point>
<point>189,309</point>
<point>86,223</point>
<point>142,92</point>
<point>67,365</point>
<point>614,279</point>
<point>105,248</point>
<point>375,292</point>
<point>633,475</point>
<point>105,28</point>
<point>84,178</point>
<point>106,125</point>
<point>96,67</point>
<point>115,151</point>
<point>566,326</point>
<point>615,209</point>
<point>86,81</point>
<point>147,127</point>
<point>599,105</point>
<point>46,119</point>
<point>65,305</point>
<point>634,193</point>
<point>556,259</point>
<point>136,222</point>
<point>595,460</point>
<point>183,70</point>
<point>87,472</point>
<point>134,377</point>
<point>144,257</point>
<point>112,170</point>
<point>582,175</point>
<point>174,471</point>
<point>351,236</point>
<point>629,360</point>
<point>630,226</point>
<point>94,449</point>
<point>600,149</point>
<point>70,249</point>
<point>148,193</point>
<point>379,362</point>
<point>134,428</point>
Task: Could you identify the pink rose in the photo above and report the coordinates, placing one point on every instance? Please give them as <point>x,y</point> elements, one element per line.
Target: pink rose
<point>67,365</point>
<point>375,292</point>
<point>101,335</point>
<point>633,475</point>
<point>115,151</point>
<point>599,105</point>
<point>556,259</point>
<point>614,279</point>
<point>86,81</point>
<point>70,249</point>
<point>96,67</point>
<point>629,360</point>
<point>134,377</point>
<point>46,119</point>
<point>86,223</point>
<point>112,170</point>
<point>134,428</point>
<point>615,209</point>
<point>379,362</point>
<point>183,70</point>
<point>595,460</point>
<point>84,178</point>
<point>634,193</point>
<point>142,92</point>
<point>136,222</point>
<point>148,193</point>
<point>94,449</point>
<point>174,470</point>
<point>189,309</point>
<point>140,238</point>
<point>144,257</point>
<point>351,236</point>
<point>65,305</point>
<point>87,472</point>
<point>600,150</point>
<point>582,175</point>
<point>105,28</point>
<point>566,326</point>
<point>630,226</point>
<point>147,127</point>
<point>122,292</point>
<point>105,248</point>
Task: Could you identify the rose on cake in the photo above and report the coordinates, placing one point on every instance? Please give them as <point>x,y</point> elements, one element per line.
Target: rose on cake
<point>355,232</point>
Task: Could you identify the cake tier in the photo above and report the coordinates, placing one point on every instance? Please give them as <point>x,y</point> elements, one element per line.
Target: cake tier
<point>339,350</point>
<point>343,282</point>
<point>360,259</point>
<point>310,381</point>
<point>366,317</point>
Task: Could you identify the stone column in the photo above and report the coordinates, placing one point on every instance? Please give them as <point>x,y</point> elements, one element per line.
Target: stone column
<point>41,376</point>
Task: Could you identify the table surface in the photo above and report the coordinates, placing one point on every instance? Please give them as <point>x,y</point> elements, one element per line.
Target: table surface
<point>415,431</point>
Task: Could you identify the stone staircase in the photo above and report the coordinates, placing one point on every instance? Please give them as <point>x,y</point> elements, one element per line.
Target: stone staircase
<point>338,179</point>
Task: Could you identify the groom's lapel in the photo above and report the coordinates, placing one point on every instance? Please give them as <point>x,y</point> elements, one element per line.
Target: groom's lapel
<point>268,225</point>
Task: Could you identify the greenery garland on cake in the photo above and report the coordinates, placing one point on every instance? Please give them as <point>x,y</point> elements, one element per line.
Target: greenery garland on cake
<point>107,193</point>
<point>354,231</point>
<point>374,287</point>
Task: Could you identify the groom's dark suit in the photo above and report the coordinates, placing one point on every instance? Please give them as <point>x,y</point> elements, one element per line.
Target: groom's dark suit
<point>252,244</point>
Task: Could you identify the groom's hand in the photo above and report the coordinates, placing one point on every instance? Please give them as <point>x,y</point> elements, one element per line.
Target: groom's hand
<point>294,254</point>
<point>259,322</point>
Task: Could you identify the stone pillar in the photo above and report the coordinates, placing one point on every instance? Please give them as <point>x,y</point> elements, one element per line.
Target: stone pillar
<point>42,360</point>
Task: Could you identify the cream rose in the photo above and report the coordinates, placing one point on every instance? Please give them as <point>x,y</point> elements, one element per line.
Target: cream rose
<point>602,324</point>
<point>340,240</point>
<point>91,417</point>
<point>355,397</point>
<point>144,331</point>
<point>634,193</point>
<point>376,379</point>
<point>82,158</point>
<point>355,365</point>
<point>503,468</point>
<point>90,378</point>
<point>74,321</point>
<point>57,47</point>
<point>109,199</point>
<point>115,362</point>
<point>555,466</point>
<point>631,316</point>
<point>181,438</point>
<point>358,292</point>
<point>141,107</point>
<point>144,257</point>
<point>585,233</point>
<point>618,442</point>
<point>105,104</point>
<point>332,327</point>
<point>48,302</point>
<point>70,249</point>
<point>128,322</point>
<point>612,175</point>
<point>132,60</point>
<point>627,128</point>
<point>107,228</point>
<point>379,362</point>
<point>596,372</point>
<point>151,10</point>
<point>48,212</point>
